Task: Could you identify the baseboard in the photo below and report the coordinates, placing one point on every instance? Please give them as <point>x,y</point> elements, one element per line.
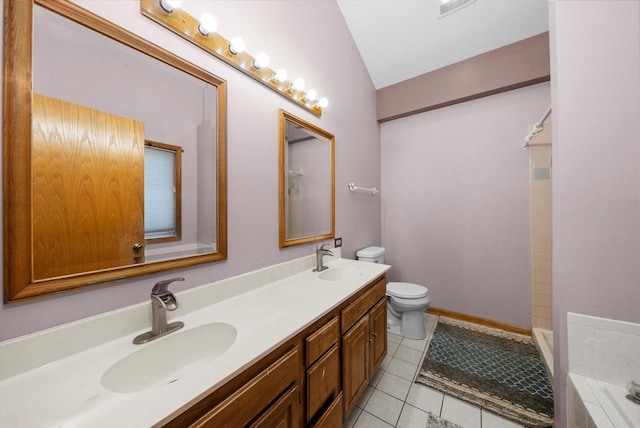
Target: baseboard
<point>481,321</point>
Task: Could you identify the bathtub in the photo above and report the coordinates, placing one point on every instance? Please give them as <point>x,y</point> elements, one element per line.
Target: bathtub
<point>628,410</point>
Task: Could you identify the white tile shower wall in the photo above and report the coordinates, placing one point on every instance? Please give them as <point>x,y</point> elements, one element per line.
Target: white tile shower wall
<point>603,349</point>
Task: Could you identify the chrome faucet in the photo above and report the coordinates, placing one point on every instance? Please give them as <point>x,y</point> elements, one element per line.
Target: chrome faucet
<point>162,300</point>
<point>320,253</point>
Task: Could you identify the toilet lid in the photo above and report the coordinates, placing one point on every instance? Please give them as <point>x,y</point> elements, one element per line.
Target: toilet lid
<point>406,290</point>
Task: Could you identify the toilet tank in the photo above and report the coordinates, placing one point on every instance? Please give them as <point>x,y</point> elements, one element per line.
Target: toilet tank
<point>371,254</point>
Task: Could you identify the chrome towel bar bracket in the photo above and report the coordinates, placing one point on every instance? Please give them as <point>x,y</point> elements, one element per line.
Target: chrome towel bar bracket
<point>353,188</point>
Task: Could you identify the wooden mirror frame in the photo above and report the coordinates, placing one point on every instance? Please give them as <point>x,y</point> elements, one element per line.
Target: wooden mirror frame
<point>17,104</point>
<point>283,182</point>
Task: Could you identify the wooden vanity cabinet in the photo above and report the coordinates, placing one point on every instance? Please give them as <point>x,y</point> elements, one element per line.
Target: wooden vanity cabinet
<point>312,380</point>
<point>364,341</point>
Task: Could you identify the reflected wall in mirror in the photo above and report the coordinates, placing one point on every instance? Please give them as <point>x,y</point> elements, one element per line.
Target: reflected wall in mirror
<point>81,98</point>
<point>306,175</point>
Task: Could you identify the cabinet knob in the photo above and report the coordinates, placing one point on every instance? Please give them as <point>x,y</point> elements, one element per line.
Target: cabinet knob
<point>137,246</point>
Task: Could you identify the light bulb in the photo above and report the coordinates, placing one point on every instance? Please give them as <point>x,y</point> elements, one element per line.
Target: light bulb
<point>323,102</point>
<point>311,95</point>
<point>297,85</point>
<point>236,46</point>
<point>208,24</point>
<point>169,5</point>
<point>261,61</point>
<point>280,75</point>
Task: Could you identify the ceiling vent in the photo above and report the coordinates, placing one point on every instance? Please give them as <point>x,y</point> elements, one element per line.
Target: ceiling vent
<point>447,7</point>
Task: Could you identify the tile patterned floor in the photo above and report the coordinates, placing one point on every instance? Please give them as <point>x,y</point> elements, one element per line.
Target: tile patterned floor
<point>392,399</point>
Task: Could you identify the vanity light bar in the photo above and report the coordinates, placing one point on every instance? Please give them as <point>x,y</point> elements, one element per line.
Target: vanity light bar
<point>188,27</point>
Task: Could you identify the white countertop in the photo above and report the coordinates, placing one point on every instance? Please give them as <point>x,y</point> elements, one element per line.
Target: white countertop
<point>68,392</point>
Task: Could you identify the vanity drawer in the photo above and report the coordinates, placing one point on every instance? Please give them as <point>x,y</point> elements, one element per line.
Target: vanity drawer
<point>352,313</point>
<point>332,418</point>
<point>323,382</point>
<point>281,414</point>
<point>322,339</point>
<point>254,397</point>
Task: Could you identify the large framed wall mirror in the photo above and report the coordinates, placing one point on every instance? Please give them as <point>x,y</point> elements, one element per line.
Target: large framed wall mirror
<point>114,153</point>
<point>307,184</point>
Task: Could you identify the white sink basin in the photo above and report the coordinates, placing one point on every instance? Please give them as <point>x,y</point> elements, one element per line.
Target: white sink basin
<point>342,273</point>
<point>169,358</point>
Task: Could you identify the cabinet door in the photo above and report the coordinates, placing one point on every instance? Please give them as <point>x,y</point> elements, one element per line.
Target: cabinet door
<point>282,414</point>
<point>377,335</point>
<point>355,367</point>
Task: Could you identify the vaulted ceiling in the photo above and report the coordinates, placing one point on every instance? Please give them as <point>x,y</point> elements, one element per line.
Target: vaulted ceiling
<point>400,39</point>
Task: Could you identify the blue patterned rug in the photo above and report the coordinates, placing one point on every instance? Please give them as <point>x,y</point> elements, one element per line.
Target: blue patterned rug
<point>499,371</point>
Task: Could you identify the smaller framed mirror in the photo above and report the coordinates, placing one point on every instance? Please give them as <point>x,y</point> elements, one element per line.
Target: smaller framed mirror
<point>307,183</point>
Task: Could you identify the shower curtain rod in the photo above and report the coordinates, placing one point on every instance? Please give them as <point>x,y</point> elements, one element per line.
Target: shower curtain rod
<point>539,126</point>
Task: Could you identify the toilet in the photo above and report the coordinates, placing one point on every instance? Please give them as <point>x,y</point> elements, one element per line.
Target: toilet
<point>406,302</point>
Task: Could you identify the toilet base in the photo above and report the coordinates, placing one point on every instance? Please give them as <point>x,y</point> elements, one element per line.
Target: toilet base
<point>409,325</point>
<point>394,329</point>
<point>413,325</point>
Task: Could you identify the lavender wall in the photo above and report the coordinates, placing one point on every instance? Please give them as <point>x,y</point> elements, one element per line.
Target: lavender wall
<point>296,37</point>
<point>595,70</point>
<point>455,203</point>
<point>506,68</point>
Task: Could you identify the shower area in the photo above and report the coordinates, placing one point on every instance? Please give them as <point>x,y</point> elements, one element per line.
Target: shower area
<point>538,143</point>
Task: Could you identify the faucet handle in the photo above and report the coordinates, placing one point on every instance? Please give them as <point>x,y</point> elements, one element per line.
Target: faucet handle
<point>320,249</point>
<point>634,389</point>
<point>162,287</point>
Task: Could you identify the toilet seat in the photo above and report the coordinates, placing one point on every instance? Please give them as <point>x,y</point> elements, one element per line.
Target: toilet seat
<point>406,290</point>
